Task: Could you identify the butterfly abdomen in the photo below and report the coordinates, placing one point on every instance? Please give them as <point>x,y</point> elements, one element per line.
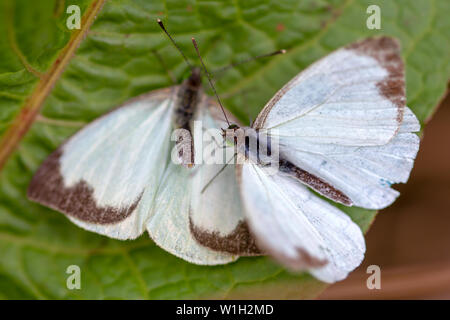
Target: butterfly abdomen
<point>187,101</point>
<point>188,97</point>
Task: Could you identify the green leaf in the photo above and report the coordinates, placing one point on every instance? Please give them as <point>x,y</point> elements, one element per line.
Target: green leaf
<point>114,63</point>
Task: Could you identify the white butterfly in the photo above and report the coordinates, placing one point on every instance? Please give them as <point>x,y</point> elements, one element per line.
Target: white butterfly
<point>344,131</point>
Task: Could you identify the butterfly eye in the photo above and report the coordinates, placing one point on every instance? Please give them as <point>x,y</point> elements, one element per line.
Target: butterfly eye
<point>233,126</point>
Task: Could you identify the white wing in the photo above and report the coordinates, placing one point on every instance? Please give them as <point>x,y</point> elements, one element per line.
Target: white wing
<point>299,229</point>
<point>354,96</point>
<point>364,174</point>
<point>168,224</point>
<point>216,216</point>
<point>344,120</point>
<point>105,176</point>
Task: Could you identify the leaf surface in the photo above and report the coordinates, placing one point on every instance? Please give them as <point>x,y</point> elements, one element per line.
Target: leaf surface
<point>116,61</point>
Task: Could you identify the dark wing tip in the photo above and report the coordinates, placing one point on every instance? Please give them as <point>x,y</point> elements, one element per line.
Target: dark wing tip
<point>387,51</point>
<point>239,241</point>
<point>47,188</point>
<point>376,44</point>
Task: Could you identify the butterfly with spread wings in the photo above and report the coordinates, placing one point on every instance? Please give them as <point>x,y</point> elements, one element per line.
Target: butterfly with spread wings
<point>344,132</point>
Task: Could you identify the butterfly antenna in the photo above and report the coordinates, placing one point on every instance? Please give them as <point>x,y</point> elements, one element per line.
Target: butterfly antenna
<point>161,24</point>
<point>209,79</point>
<point>233,65</point>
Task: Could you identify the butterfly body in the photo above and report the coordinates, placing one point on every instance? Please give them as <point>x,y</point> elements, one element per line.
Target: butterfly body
<point>188,96</point>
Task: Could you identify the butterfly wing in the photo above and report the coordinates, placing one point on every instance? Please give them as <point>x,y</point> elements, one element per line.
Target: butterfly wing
<point>296,227</point>
<point>216,213</point>
<point>344,120</point>
<point>105,176</point>
<point>168,224</point>
<point>201,225</point>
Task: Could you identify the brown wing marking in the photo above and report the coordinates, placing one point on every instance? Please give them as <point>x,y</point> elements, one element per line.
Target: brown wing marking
<point>47,188</point>
<point>386,51</point>
<point>314,182</point>
<point>239,241</point>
